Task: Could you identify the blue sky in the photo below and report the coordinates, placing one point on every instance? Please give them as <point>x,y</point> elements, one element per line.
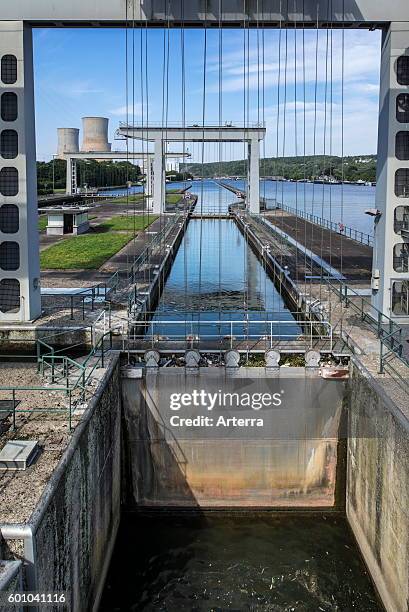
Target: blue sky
<point>83,72</point>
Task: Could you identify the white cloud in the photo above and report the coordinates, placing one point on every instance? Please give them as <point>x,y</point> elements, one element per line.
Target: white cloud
<point>294,61</point>
<point>131,110</point>
<point>81,91</point>
<point>70,89</point>
<point>328,128</point>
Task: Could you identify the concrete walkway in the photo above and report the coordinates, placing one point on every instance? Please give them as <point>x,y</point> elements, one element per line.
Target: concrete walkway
<point>351,258</point>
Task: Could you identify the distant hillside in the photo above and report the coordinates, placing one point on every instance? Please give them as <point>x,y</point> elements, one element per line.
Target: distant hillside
<point>362,167</point>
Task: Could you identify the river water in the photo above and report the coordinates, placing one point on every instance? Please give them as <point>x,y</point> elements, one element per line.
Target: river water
<point>251,562</point>
<point>338,203</point>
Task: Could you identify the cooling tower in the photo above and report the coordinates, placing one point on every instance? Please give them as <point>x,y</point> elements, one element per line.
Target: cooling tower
<point>68,141</point>
<point>95,134</point>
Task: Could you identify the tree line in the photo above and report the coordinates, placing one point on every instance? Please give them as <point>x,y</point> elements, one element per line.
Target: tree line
<point>52,175</point>
<point>351,168</point>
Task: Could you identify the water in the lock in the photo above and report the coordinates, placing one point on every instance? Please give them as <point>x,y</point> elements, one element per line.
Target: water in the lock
<point>216,277</point>
<point>217,287</point>
<point>266,562</point>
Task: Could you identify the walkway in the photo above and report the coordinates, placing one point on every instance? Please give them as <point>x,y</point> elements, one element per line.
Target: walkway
<point>351,258</point>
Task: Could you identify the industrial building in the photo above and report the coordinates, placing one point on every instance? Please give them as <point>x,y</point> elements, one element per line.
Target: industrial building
<point>95,134</point>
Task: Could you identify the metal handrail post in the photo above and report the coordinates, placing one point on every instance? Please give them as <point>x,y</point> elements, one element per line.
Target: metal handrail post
<point>83,386</point>
<point>38,356</point>
<point>381,368</point>
<point>379,327</point>
<point>67,374</point>
<point>14,409</point>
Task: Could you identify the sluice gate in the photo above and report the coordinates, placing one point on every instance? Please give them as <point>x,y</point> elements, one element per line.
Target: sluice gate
<point>230,450</point>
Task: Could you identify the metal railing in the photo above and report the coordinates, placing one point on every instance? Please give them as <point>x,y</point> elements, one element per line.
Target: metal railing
<point>388,332</point>
<point>100,293</point>
<point>156,240</point>
<point>281,275</point>
<point>339,228</point>
<point>144,267</point>
<point>189,124</point>
<point>67,376</point>
<point>210,212</point>
<point>95,295</point>
<point>191,329</point>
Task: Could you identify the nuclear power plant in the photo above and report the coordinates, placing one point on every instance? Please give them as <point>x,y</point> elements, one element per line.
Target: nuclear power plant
<point>95,146</point>
<point>95,135</point>
<point>68,141</point>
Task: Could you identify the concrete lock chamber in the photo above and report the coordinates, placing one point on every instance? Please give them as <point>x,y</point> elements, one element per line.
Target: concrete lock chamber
<point>68,141</point>
<point>95,134</point>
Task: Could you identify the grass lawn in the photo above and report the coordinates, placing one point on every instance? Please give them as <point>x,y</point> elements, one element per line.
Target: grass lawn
<point>173,198</point>
<point>129,222</point>
<point>88,251</point>
<point>42,223</point>
<point>131,200</point>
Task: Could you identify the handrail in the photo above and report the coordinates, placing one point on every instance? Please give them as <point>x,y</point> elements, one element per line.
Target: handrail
<point>281,274</point>
<point>199,124</point>
<point>145,257</point>
<point>233,329</point>
<point>390,339</point>
<point>52,359</point>
<point>110,285</point>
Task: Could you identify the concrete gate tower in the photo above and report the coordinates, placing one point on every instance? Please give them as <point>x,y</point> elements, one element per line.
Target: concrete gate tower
<point>19,241</point>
